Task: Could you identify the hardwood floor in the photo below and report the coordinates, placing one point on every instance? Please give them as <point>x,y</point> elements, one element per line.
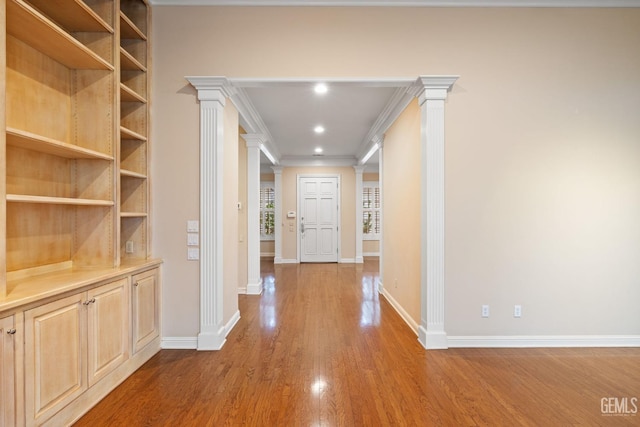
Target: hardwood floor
<point>320,348</point>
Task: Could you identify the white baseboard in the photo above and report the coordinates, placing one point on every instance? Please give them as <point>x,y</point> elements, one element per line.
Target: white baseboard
<point>254,288</point>
<point>179,343</point>
<point>530,341</point>
<point>231,323</point>
<point>285,261</point>
<point>267,254</point>
<point>401,311</point>
<point>191,343</point>
<point>242,291</point>
<point>347,261</point>
<point>371,254</point>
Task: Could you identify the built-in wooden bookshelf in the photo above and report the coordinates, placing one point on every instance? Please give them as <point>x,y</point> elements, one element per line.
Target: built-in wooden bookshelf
<point>74,204</point>
<point>134,130</point>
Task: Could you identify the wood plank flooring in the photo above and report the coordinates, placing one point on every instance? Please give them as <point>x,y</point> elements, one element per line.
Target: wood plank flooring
<point>320,348</point>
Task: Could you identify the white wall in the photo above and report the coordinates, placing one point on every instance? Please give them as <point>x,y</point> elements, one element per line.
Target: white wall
<point>542,146</point>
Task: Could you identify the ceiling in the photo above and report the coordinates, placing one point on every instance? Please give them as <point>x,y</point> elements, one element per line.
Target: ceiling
<point>405,3</point>
<point>354,114</point>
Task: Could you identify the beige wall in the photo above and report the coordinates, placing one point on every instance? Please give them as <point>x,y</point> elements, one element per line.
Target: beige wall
<point>267,248</point>
<point>370,246</point>
<point>401,211</point>
<point>542,153</point>
<point>347,208</point>
<point>243,248</point>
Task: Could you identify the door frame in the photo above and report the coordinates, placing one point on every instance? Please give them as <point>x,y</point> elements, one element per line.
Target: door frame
<point>338,200</point>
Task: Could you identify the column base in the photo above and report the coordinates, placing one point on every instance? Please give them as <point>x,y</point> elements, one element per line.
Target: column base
<point>432,340</point>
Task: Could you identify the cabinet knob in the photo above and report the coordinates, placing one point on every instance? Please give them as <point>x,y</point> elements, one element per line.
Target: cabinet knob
<point>11,331</point>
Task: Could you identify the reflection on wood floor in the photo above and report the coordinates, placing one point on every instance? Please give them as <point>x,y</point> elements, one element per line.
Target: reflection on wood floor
<point>319,347</point>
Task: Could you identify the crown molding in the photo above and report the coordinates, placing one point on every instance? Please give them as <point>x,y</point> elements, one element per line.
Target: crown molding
<point>306,161</point>
<point>407,3</point>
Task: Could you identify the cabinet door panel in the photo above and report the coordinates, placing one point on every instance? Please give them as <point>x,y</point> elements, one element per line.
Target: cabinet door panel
<point>108,317</point>
<point>7,372</point>
<point>55,352</point>
<point>145,308</point>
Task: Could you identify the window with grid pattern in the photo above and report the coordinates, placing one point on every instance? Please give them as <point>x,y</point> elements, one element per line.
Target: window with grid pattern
<point>370,210</point>
<point>267,211</point>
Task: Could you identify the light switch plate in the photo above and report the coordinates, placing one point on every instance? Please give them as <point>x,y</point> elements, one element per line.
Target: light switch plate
<point>193,226</point>
<point>193,254</point>
<point>193,239</point>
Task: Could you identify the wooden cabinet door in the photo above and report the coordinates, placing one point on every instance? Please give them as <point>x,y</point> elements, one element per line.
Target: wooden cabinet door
<point>146,319</point>
<point>108,328</point>
<point>10,370</point>
<point>55,356</point>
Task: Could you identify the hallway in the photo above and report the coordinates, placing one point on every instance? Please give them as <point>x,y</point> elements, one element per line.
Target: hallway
<point>320,347</point>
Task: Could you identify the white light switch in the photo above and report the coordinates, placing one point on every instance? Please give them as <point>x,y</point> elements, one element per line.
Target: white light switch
<point>193,226</point>
<point>193,254</point>
<point>193,239</point>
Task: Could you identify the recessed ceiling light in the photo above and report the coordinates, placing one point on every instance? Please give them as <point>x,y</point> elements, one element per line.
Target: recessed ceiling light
<point>320,88</point>
<point>318,150</point>
<point>318,129</point>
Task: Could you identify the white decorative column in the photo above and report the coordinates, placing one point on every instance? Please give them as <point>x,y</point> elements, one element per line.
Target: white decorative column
<point>359,170</point>
<point>254,285</point>
<point>277,171</point>
<point>432,93</point>
<point>212,94</point>
<point>381,241</point>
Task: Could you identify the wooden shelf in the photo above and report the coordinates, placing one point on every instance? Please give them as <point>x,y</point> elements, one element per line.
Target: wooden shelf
<point>22,198</point>
<point>129,30</point>
<point>73,15</point>
<point>133,214</point>
<point>132,174</point>
<point>42,144</point>
<point>128,62</point>
<point>30,26</point>
<point>129,95</point>
<point>129,134</point>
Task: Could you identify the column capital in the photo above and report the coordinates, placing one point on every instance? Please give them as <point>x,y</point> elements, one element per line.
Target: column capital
<point>212,88</point>
<point>254,140</point>
<point>359,169</point>
<point>432,87</point>
<point>277,170</point>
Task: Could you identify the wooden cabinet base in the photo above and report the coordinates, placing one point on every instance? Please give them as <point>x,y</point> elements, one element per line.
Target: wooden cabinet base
<point>72,412</point>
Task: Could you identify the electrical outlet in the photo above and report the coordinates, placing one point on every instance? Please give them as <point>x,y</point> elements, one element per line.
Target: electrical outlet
<point>485,311</point>
<point>192,239</point>
<point>193,226</point>
<point>193,254</point>
<point>128,247</point>
<point>517,311</point>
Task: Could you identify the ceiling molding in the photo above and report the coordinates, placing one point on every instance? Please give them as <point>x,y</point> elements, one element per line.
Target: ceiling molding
<point>251,121</point>
<point>396,105</point>
<point>407,3</point>
<point>297,82</point>
<point>306,161</point>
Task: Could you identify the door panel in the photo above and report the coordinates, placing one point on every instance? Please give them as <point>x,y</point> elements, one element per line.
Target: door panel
<point>318,219</point>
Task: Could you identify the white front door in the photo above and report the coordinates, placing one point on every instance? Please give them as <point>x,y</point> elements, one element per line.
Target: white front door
<point>318,201</point>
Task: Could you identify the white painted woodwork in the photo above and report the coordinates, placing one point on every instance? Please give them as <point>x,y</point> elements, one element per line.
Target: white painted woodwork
<point>55,356</point>
<point>277,173</point>
<point>108,328</point>
<point>432,93</point>
<point>212,93</point>
<point>254,285</point>
<point>145,289</point>
<point>359,170</point>
<point>381,247</point>
<point>318,219</point>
